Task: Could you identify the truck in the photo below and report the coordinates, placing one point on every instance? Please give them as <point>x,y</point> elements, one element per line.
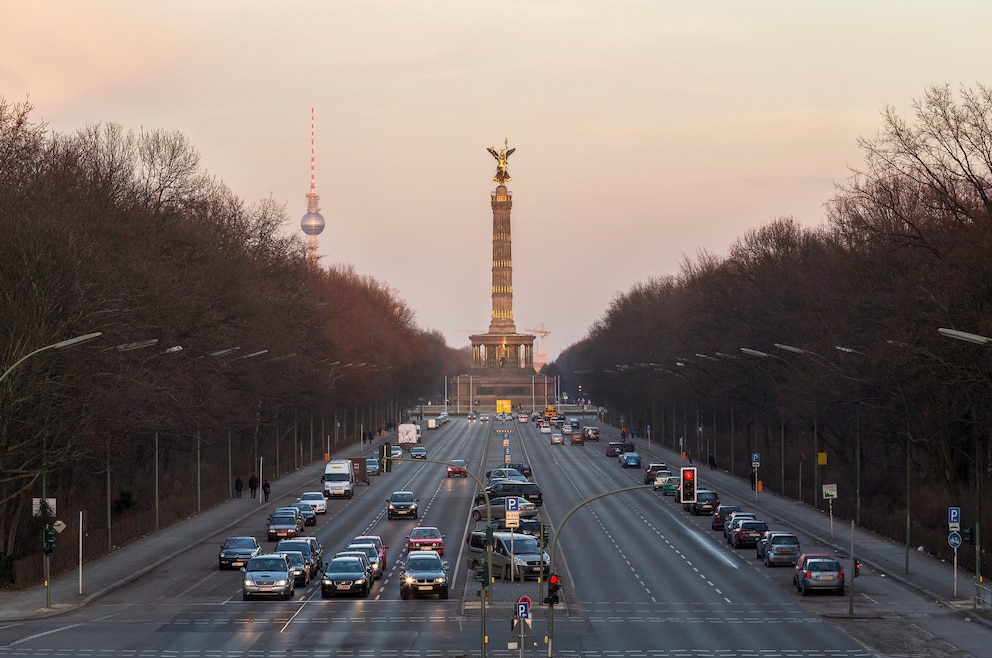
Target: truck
<point>339,479</point>
<point>407,433</point>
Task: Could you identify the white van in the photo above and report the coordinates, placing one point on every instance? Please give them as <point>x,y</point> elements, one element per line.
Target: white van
<point>339,479</point>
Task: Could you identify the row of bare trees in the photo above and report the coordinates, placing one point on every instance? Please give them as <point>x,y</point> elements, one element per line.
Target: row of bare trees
<point>126,234</point>
<point>825,340</point>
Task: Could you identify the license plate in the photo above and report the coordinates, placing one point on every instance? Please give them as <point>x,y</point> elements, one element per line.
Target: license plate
<point>237,564</point>
<point>425,588</point>
<point>823,577</point>
<point>344,586</point>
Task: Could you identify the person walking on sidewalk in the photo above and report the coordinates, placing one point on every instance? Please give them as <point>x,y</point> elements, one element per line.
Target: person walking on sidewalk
<point>266,489</point>
<point>238,486</point>
<point>253,485</point>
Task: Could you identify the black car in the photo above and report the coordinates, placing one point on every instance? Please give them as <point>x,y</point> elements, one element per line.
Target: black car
<point>305,547</point>
<point>522,467</point>
<point>401,503</point>
<point>424,573</point>
<point>614,448</point>
<point>527,490</point>
<point>345,575</point>
<point>236,551</point>
<point>309,516</point>
<point>706,502</point>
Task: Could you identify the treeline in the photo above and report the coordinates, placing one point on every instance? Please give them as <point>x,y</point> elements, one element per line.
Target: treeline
<point>825,340</point>
<point>222,345</point>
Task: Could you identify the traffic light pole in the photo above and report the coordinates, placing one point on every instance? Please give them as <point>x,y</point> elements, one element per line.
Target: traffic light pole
<point>554,546</point>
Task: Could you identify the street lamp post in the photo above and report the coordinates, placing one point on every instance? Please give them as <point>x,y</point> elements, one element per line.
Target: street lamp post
<point>54,346</point>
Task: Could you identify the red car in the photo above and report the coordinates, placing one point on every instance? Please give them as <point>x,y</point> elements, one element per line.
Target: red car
<point>457,469</point>
<point>425,538</point>
<point>376,541</point>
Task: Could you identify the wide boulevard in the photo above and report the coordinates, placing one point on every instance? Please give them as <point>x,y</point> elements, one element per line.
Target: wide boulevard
<point>640,578</point>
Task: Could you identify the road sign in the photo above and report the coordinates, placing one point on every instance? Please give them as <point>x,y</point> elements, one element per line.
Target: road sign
<point>953,519</point>
<point>829,491</point>
<point>511,504</point>
<point>523,607</point>
<point>506,443</point>
<point>513,520</point>
<point>954,540</point>
<point>506,450</point>
<point>59,526</point>
<point>755,459</point>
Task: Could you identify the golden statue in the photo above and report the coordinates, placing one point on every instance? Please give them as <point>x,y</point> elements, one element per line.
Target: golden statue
<point>502,174</point>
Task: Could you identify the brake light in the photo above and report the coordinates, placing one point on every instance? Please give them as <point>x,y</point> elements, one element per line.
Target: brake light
<point>840,574</point>
<point>807,574</point>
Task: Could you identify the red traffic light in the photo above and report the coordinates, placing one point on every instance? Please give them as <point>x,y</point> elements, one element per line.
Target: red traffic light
<point>555,579</point>
<point>689,475</point>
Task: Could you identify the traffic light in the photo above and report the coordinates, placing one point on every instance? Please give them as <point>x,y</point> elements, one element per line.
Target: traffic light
<point>968,535</point>
<point>49,545</point>
<point>482,574</point>
<point>687,491</point>
<point>554,584</point>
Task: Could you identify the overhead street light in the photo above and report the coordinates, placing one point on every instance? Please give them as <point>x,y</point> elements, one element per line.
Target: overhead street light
<point>965,336</point>
<point>757,353</point>
<point>54,346</point>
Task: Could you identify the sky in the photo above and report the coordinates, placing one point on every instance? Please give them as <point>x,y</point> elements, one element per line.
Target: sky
<point>647,132</point>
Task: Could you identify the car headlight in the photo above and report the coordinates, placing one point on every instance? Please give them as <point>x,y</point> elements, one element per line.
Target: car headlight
<point>519,561</point>
<point>391,506</point>
<point>440,580</point>
<point>249,582</point>
<point>409,580</point>
<point>282,582</point>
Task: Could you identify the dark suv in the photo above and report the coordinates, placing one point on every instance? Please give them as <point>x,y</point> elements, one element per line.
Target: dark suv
<point>527,490</point>
<point>522,467</point>
<point>706,503</point>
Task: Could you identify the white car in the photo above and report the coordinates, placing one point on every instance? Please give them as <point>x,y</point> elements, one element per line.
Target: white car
<point>545,429</point>
<point>316,500</point>
<point>557,439</point>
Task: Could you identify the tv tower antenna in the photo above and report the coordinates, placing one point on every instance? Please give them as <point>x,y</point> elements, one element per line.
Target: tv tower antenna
<point>313,221</point>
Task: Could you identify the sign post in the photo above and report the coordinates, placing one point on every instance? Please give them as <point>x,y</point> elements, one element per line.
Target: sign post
<point>755,463</point>
<point>829,493</point>
<point>954,540</point>
<point>521,619</point>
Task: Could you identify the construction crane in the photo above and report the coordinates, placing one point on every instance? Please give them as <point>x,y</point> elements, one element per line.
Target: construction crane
<point>541,354</point>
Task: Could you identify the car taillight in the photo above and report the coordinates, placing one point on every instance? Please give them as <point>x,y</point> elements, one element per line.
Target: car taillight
<point>840,574</point>
<point>807,574</point>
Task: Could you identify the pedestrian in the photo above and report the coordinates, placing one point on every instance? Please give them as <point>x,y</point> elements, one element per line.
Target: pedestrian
<point>253,485</point>
<point>266,489</point>
<point>752,479</point>
<point>712,462</point>
<point>238,486</point>
<point>689,455</point>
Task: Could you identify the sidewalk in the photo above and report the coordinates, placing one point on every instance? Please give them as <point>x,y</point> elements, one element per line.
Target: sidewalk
<point>140,557</point>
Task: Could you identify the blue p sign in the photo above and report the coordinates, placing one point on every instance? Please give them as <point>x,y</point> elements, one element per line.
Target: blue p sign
<point>512,504</point>
<point>953,515</point>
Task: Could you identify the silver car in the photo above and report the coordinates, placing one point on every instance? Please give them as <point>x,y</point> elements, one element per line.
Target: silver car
<point>268,574</point>
<point>779,548</point>
<point>823,573</point>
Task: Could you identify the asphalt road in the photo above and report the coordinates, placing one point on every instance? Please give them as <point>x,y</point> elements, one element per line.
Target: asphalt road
<point>641,578</point>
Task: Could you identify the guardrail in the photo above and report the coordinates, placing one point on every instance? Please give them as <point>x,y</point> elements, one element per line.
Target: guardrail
<point>983,597</point>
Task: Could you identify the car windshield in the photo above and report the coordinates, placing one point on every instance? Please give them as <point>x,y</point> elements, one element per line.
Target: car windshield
<point>266,564</point>
<point>420,533</point>
<point>402,497</point>
<point>525,544</point>
<point>345,564</point>
<point>371,551</point>
<point>240,542</point>
<point>284,520</point>
<point>295,558</point>
<point>312,496</point>
<point>423,563</point>
<point>301,546</point>
<point>823,565</point>
<point>458,462</point>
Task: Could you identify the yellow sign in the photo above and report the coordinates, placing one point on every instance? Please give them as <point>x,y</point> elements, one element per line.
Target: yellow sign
<point>821,458</point>
<point>504,406</point>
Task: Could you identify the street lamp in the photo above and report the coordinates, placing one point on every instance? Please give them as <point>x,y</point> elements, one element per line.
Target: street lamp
<point>979,470</point>
<point>54,346</point>
<point>781,420</point>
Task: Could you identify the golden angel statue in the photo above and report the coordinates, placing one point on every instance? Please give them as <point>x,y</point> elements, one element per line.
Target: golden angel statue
<point>502,174</point>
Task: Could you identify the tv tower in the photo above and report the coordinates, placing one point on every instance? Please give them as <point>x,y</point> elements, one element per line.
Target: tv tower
<point>313,221</point>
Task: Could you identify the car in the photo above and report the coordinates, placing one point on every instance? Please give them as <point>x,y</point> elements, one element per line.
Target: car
<point>471,416</point>
<point>401,503</point>
<point>301,570</point>
<point>418,452</point>
<point>668,484</point>
<point>546,428</point>
<point>315,499</point>
<point>651,472</point>
<point>521,418</point>
<point>497,508</point>
<point>316,548</point>
<point>528,490</point>
<point>376,541</point>
<point>801,564</point>
<point>366,562</point>
<point>345,575</point>
<point>630,460</point>
<point>523,467</point>
<point>707,501</point>
<point>747,533</point>
<point>515,556</point>
<point>591,433</point>
<point>268,574</point>
<point>534,527</point>
<point>425,538</point>
<point>236,551</point>
<point>506,474</point>
<point>424,573</point>
<point>821,573</point>
<point>457,468</point>
<point>484,418</point>
<point>282,526</point>
<point>306,509</point>
<point>720,515</point>
<point>372,553</point>
<point>557,439</point>
<point>395,452</point>
<point>576,439</point>
<point>614,448</point>
<point>372,466</point>
<point>778,548</point>
<point>305,548</point>
<point>732,524</point>
<point>291,510</point>
<point>566,429</point>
